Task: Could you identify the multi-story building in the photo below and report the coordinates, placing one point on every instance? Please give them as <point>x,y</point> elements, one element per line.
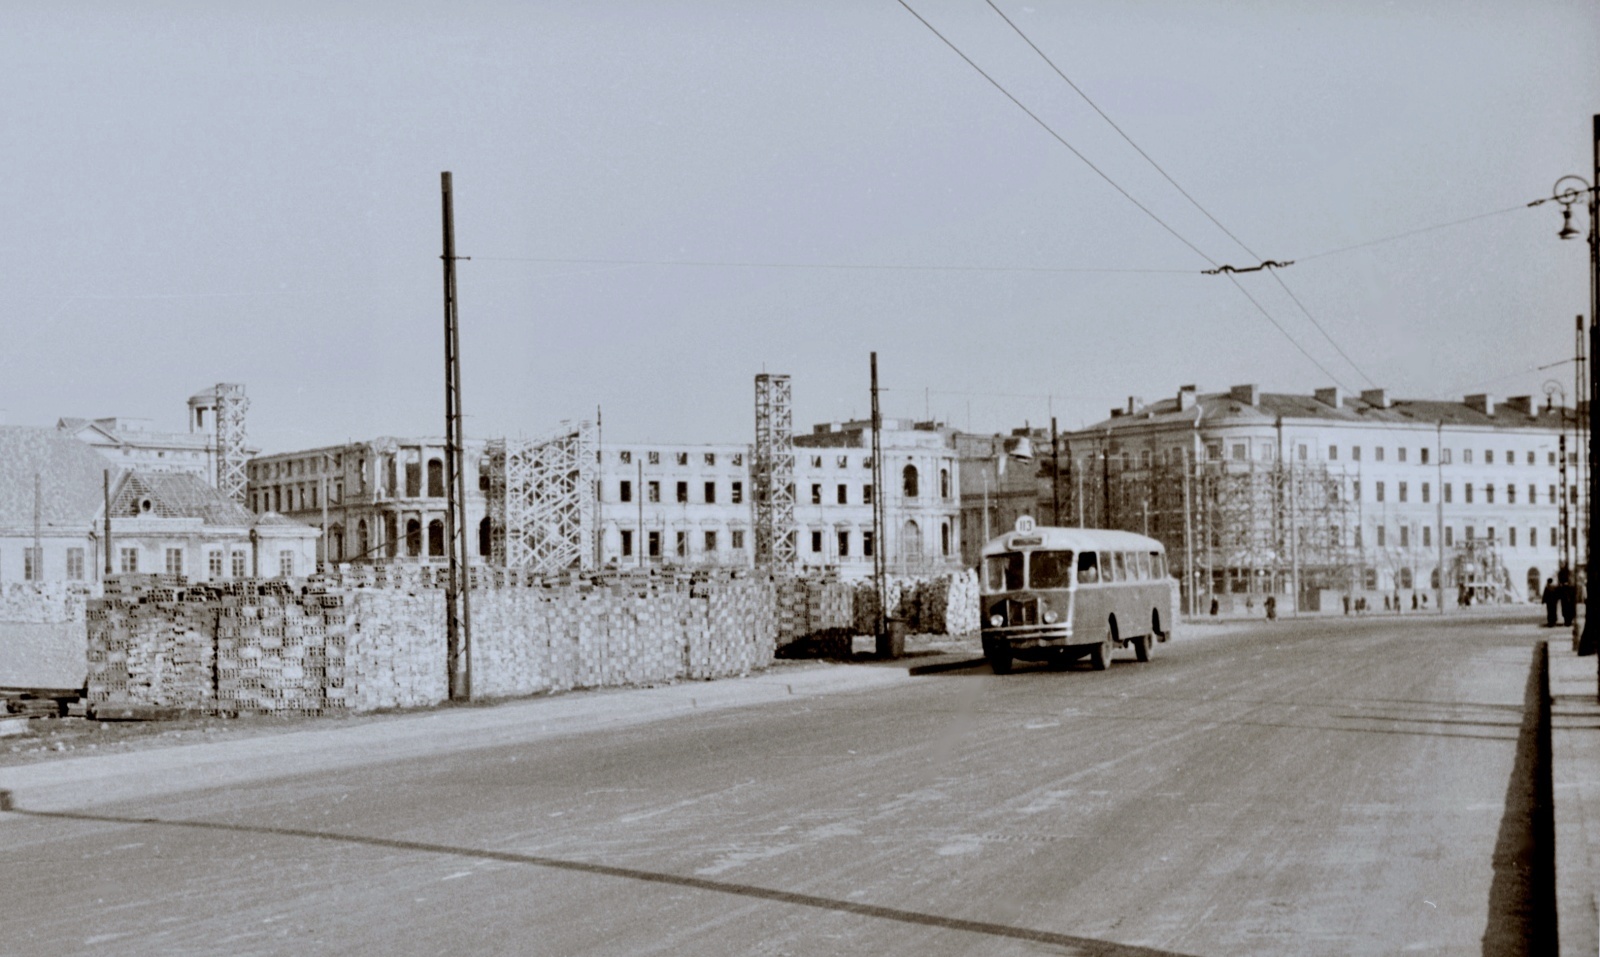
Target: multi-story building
<point>1255,491</point>
<point>134,443</point>
<point>54,495</point>
<point>376,501</point>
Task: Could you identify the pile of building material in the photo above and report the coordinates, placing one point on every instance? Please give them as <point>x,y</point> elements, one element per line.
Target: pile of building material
<point>151,652</point>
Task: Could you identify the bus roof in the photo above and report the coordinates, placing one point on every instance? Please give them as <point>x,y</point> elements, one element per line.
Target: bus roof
<point>1075,539</point>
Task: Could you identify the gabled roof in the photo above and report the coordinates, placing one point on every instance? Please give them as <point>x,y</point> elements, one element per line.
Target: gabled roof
<point>176,495</point>
<point>69,478</point>
<point>1223,408</point>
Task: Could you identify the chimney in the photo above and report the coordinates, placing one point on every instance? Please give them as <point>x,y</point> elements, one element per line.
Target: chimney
<point>1481,402</point>
<point>1135,403</point>
<point>1333,396</point>
<point>1377,397</point>
<point>1116,413</point>
<point>1521,403</point>
<point>1248,394</point>
<point>1185,397</point>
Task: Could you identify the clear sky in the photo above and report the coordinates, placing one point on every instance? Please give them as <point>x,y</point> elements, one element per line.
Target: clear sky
<point>204,192</point>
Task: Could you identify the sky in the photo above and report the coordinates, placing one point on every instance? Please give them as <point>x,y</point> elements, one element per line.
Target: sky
<point>663,199</point>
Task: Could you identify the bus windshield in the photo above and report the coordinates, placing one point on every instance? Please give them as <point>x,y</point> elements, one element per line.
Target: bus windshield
<point>1003,572</point>
<point>1050,570</point>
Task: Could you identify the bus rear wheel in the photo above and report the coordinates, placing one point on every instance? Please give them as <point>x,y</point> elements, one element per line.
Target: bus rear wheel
<point>1100,655</point>
<point>1143,645</point>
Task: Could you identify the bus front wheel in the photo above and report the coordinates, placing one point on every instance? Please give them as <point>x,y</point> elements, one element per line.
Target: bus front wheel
<point>1100,655</point>
<point>1000,659</point>
<point>1142,646</point>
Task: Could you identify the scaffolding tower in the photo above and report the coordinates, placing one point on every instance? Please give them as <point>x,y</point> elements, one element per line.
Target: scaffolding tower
<point>232,404</point>
<point>1480,573</point>
<point>772,473</point>
<point>541,501</point>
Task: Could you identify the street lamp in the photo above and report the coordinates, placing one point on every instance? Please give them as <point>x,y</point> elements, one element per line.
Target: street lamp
<point>1569,191</point>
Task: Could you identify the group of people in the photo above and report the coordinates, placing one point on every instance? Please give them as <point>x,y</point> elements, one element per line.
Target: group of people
<point>1562,594</point>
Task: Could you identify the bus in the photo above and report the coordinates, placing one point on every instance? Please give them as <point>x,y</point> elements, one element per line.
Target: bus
<point>1057,594</point>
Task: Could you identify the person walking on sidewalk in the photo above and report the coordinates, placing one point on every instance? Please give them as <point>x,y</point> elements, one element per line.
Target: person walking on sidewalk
<point>1550,598</point>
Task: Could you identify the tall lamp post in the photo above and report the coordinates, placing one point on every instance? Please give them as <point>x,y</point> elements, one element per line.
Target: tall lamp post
<point>1569,191</point>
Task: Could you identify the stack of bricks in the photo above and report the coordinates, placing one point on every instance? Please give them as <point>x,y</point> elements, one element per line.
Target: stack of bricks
<point>152,651</point>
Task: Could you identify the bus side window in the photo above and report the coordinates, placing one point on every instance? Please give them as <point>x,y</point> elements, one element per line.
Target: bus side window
<point>1088,568</point>
<point>1158,567</point>
<point>1144,566</point>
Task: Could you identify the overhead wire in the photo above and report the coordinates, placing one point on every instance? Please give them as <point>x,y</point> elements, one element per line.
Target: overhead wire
<point>1126,195</point>
<point>1411,232</point>
<point>894,267</point>
<point>1186,195</point>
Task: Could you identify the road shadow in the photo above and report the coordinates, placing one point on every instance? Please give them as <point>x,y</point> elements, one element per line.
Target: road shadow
<point>1070,944</point>
<point>1522,899</point>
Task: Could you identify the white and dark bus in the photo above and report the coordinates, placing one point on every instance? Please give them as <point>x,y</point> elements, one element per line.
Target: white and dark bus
<point>1057,594</point>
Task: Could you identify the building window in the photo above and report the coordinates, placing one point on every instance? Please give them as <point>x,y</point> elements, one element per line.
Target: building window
<point>625,457</point>
<point>1355,453</point>
<point>683,458</point>
<point>1491,533</point>
<point>413,480</point>
<point>1427,536</point>
<point>711,458</point>
<point>1511,536</point>
<point>653,544</point>
<point>627,543</point>
<point>711,492</point>
<point>908,481</point>
<point>738,459</point>
<point>1488,494</point>
<point>866,495</point>
<point>1214,453</point>
<point>413,538</point>
<point>1401,453</point>
<point>1553,500</point>
<point>1303,452</point>
<point>1511,495</point>
<point>816,493</point>
<point>736,494</point>
<point>1444,456</point>
<point>1427,493</point>
<point>1533,536</point>
<point>75,564</point>
<point>1466,456</point>
<point>1471,532</point>
<point>816,541</point>
<point>1377,454</point>
<point>1423,455</point>
<point>625,491</point>
<point>841,462</point>
<point>1378,491</point>
<point>1447,490</point>
<point>866,544</point>
<point>32,564</point>
<point>239,569</point>
<point>436,538</point>
<point>286,564</point>
<point>944,477</point>
<point>816,461</point>
<point>1533,494</point>
<point>1449,536</point>
<point>214,564</point>
<point>682,544</point>
<point>128,560</point>
<point>1381,531</point>
<point>653,458</point>
<point>1239,452</point>
<point>683,492</point>
<point>738,539</point>
<point>1405,536</point>
<point>844,544</point>
<point>711,542</point>
<point>653,492</point>
<point>944,539</point>
<point>1355,491</point>
<point>1333,453</point>
<point>1488,456</point>
<point>842,494</point>
<point>1402,491</point>
<point>1467,491</point>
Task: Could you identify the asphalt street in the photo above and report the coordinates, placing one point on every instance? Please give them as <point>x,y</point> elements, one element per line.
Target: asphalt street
<point>1310,788</point>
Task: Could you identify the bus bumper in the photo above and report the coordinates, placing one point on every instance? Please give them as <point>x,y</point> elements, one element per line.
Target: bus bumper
<point>1047,636</point>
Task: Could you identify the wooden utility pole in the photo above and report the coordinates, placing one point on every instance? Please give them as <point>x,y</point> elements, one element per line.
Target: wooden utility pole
<point>879,544</point>
<point>106,488</point>
<point>1055,477</point>
<point>458,612</point>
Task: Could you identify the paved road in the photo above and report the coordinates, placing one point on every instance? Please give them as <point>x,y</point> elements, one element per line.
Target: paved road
<point>1314,789</point>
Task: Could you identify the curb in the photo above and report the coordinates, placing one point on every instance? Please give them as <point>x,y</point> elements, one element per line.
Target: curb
<point>1574,729</point>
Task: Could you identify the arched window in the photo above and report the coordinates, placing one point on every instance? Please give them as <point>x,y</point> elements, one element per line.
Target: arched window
<point>1405,578</point>
<point>910,542</point>
<point>413,480</point>
<point>1535,586</point>
<point>436,539</point>
<point>908,479</point>
<point>363,541</point>
<point>484,547</point>
<point>1369,579</point>
<point>413,538</point>
<point>944,483</point>
<point>1434,578</point>
<point>435,478</point>
<point>944,539</point>
<point>335,543</point>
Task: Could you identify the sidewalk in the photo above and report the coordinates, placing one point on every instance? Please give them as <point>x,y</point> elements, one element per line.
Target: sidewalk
<point>79,782</point>
<point>1575,793</point>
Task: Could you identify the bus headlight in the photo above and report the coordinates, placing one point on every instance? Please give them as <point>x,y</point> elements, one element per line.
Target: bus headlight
<point>1050,616</point>
<point>995,621</point>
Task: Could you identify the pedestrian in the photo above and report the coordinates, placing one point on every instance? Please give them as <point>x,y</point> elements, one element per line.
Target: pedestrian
<point>1550,597</point>
<point>1347,604</point>
<point>1413,601</point>
<point>1568,596</point>
<point>1250,605</point>
<point>1272,607</point>
<point>1385,602</point>
<point>1213,608</point>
